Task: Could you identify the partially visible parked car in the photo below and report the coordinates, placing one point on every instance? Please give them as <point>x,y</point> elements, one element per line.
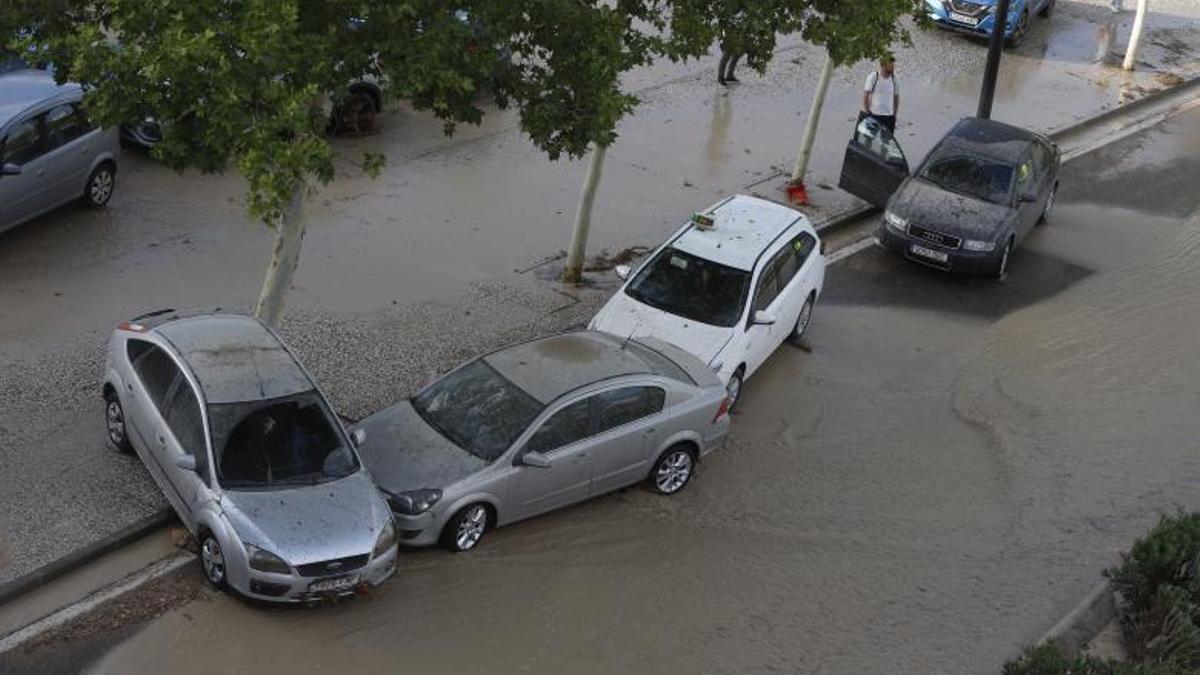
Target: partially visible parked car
<point>538,426</point>
<point>729,286</point>
<point>50,153</point>
<point>978,194</point>
<point>249,453</point>
<point>978,17</point>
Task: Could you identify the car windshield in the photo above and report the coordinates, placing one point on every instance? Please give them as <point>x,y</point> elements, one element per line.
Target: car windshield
<point>691,287</point>
<point>477,409</point>
<point>286,441</point>
<point>973,176</point>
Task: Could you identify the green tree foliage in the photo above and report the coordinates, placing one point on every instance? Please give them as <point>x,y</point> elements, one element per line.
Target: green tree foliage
<point>1048,660</point>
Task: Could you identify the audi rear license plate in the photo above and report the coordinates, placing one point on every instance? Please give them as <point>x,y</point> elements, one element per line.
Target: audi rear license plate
<point>963,18</point>
<point>334,584</point>
<point>929,253</point>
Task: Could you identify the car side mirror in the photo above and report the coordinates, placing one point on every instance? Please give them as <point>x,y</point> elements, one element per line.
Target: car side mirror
<point>10,169</point>
<point>185,462</point>
<point>763,318</point>
<point>622,271</point>
<point>535,459</point>
<point>358,436</point>
<point>1029,196</point>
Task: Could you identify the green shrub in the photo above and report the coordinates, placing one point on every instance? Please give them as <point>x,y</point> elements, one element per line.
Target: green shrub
<point>1169,554</point>
<point>1048,660</point>
<point>1164,632</point>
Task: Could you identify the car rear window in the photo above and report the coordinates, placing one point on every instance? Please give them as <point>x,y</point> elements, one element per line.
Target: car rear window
<point>659,363</point>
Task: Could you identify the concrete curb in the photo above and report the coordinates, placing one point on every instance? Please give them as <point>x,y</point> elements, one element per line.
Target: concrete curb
<point>80,557</point>
<point>1116,111</point>
<point>1082,624</point>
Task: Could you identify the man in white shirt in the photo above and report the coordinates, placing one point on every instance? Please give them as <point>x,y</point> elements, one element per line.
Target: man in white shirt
<point>881,96</point>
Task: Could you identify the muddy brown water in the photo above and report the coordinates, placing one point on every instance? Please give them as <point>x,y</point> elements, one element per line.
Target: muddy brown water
<point>934,485</point>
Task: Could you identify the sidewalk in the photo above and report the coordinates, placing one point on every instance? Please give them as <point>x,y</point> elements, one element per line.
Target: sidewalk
<point>394,287</point>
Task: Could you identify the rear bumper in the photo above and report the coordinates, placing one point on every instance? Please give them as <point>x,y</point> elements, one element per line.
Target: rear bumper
<point>957,260</point>
<point>715,436</point>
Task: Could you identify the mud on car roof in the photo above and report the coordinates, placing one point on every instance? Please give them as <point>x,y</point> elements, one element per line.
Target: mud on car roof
<point>235,358</point>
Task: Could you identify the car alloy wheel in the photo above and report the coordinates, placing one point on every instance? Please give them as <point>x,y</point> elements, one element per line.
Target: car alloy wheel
<point>100,186</point>
<point>1049,204</point>
<point>673,471</point>
<point>733,388</point>
<point>470,527</point>
<point>803,319</point>
<point>1018,35</point>
<point>213,560</point>
<point>1002,270</point>
<point>115,420</point>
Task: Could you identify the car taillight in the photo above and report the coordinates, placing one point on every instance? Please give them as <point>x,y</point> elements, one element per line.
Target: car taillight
<point>722,411</point>
<point>132,327</point>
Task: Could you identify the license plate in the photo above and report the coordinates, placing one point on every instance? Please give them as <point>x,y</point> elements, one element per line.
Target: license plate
<point>929,253</point>
<point>334,585</point>
<point>963,18</point>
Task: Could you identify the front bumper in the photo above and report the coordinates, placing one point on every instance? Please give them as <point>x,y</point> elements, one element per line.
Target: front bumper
<point>292,588</point>
<point>422,530</point>
<point>982,30</point>
<point>957,260</point>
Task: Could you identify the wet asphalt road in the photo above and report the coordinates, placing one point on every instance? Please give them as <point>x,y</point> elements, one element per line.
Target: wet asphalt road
<point>929,488</point>
<point>394,283</point>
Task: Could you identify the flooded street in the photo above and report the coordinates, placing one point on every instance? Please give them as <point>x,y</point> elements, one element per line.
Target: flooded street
<point>939,480</point>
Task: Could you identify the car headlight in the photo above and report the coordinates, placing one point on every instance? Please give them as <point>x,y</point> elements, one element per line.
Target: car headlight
<point>265,561</point>
<point>414,502</point>
<point>895,221</point>
<point>386,540</point>
<point>976,245</point>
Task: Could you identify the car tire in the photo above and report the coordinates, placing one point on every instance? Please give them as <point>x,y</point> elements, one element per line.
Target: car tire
<point>463,532</point>
<point>1018,35</point>
<point>99,187</point>
<point>804,319</point>
<point>1045,11</point>
<point>1002,267</point>
<point>673,469</point>
<point>733,388</point>
<point>114,423</point>
<point>1049,205</point>
<point>212,562</point>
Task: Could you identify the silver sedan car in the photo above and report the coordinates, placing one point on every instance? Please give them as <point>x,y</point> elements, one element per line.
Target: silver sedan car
<point>538,426</point>
<point>250,455</point>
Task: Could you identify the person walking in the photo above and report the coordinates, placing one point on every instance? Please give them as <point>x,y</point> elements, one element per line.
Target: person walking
<point>881,96</point>
<point>730,55</point>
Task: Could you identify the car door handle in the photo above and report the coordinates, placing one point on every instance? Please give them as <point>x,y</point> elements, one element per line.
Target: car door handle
<point>650,431</point>
<point>162,440</point>
<point>129,386</point>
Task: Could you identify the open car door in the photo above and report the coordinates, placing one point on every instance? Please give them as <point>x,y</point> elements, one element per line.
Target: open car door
<point>874,165</point>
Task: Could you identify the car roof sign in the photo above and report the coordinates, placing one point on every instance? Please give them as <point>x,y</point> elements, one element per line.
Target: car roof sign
<point>703,221</point>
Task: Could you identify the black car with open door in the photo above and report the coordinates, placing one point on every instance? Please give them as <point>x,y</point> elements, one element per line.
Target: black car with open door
<point>978,193</point>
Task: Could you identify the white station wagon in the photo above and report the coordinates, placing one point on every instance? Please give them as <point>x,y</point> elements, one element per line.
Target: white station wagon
<point>729,286</point>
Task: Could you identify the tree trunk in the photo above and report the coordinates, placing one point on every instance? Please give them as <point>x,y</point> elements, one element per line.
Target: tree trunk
<point>810,126</point>
<point>1135,38</point>
<point>583,217</point>
<point>289,233</point>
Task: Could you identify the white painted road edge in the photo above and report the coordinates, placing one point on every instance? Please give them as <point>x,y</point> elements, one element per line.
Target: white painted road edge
<point>847,251</point>
<point>87,604</point>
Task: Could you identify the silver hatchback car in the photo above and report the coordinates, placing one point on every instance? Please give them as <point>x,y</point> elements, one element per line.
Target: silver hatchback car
<point>540,425</point>
<point>248,452</point>
<point>50,154</point>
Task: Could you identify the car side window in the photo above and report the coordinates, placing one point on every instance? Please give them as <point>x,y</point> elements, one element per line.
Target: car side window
<point>770,281</point>
<point>876,139</point>
<point>627,404</point>
<point>65,123</point>
<point>183,417</point>
<point>1041,161</point>
<point>24,142</point>
<point>1024,175</point>
<point>157,372</point>
<point>569,425</point>
<point>803,246</point>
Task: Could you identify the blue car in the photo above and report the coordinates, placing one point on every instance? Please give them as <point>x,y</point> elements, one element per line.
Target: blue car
<point>978,17</point>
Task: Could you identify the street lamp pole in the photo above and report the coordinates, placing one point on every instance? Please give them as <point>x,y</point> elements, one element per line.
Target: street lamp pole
<point>999,26</point>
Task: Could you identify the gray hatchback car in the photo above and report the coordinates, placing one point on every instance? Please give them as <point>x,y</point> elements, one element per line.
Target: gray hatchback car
<point>50,154</point>
<point>538,426</point>
<point>247,450</point>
